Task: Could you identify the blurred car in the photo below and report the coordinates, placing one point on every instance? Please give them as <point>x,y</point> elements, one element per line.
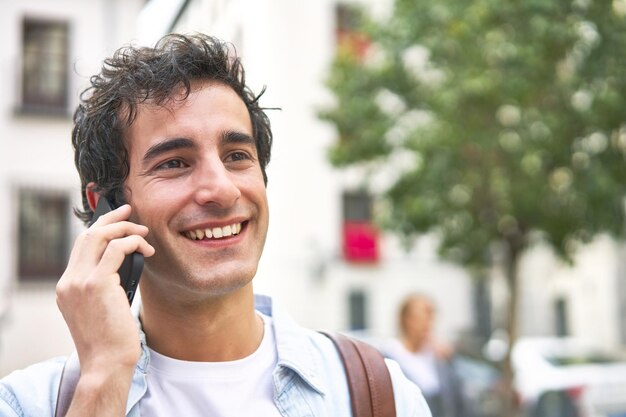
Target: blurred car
<point>564,377</point>
<point>481,382</point>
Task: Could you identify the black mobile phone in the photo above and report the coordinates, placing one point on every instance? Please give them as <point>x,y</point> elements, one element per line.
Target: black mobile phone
<point>131,268</point>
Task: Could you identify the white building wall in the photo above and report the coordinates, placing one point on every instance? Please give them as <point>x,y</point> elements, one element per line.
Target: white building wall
<point>589,286</point>
<point>35,151</point>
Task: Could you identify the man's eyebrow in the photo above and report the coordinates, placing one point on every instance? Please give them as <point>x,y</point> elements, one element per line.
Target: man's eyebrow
<point>166,146</point>
<point>232,136</point>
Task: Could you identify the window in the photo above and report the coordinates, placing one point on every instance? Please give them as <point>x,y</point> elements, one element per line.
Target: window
<point>43,239</point>
<point>560,309</point>
<point>45,65</point>
<point>350,40</point>
<point>360,236</point>
<point>348,17</point>
<point>357,303</point>
<point>357,206</point>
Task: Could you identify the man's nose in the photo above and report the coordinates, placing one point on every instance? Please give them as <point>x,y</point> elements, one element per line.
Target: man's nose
<point>214,184</point>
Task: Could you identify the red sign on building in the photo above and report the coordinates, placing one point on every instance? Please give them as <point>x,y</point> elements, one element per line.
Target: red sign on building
<point>360,242</point>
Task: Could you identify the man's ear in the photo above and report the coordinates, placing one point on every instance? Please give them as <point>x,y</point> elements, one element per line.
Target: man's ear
<point>92,196</point>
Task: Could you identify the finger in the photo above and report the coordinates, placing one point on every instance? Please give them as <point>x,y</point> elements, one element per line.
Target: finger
<point>91,244</point>
<point>118,229</point>
<point>117,249</point>
<point>115,215</point>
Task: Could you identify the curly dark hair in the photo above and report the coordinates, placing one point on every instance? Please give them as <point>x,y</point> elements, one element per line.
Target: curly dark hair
<point>134,75</point>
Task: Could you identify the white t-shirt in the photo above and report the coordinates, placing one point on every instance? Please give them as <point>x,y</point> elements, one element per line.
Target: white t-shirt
<point>217,389</point>
<point>420,367</point>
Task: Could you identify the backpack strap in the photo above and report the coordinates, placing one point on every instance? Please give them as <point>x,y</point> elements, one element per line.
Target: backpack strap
<point>369,382</point>
<point>67,385</point>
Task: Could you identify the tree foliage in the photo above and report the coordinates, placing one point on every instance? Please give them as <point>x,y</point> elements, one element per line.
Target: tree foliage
<point>513,113</point>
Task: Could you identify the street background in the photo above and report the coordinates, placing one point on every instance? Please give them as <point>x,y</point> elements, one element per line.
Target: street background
<point>329,260</point>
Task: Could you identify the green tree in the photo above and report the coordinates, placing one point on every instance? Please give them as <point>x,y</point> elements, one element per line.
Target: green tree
<point>512,113</point>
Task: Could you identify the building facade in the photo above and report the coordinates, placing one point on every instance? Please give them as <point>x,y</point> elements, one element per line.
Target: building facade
<point>50,48</point>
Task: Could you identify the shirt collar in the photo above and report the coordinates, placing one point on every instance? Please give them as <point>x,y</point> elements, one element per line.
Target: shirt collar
<point>294,346</point>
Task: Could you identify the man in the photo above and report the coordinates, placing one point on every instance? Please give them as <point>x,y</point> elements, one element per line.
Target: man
<point>425,361</point>
<point>175,133</point>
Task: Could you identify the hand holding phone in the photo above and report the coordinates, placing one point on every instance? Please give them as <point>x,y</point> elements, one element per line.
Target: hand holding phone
<point>132,266</point>
<point>105,334</point>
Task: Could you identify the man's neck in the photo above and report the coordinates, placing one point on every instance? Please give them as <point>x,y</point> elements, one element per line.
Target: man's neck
<point>219,329</point>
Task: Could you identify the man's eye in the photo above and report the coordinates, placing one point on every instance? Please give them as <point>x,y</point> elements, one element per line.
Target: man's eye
<point>238,156</point>
<point>171,164</point>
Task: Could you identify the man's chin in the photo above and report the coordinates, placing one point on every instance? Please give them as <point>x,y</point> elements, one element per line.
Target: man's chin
<point>219,284</point>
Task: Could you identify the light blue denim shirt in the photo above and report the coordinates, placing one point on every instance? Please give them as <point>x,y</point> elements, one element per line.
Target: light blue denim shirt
<point>309,380</point>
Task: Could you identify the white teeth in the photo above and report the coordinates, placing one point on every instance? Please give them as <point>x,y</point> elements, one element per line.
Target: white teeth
<point>214,233</point>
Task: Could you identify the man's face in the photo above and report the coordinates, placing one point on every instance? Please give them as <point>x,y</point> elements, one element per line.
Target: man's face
<point>195,181</point>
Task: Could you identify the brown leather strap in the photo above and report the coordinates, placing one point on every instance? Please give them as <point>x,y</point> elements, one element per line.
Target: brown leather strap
<point>369,382</point>
<point>381,389</point>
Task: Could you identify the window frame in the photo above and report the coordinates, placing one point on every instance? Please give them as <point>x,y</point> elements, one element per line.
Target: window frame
<point>27,225</point>
<point>43,66</point>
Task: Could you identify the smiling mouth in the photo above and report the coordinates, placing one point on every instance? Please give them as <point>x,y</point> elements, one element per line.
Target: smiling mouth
<point>214,232</point>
